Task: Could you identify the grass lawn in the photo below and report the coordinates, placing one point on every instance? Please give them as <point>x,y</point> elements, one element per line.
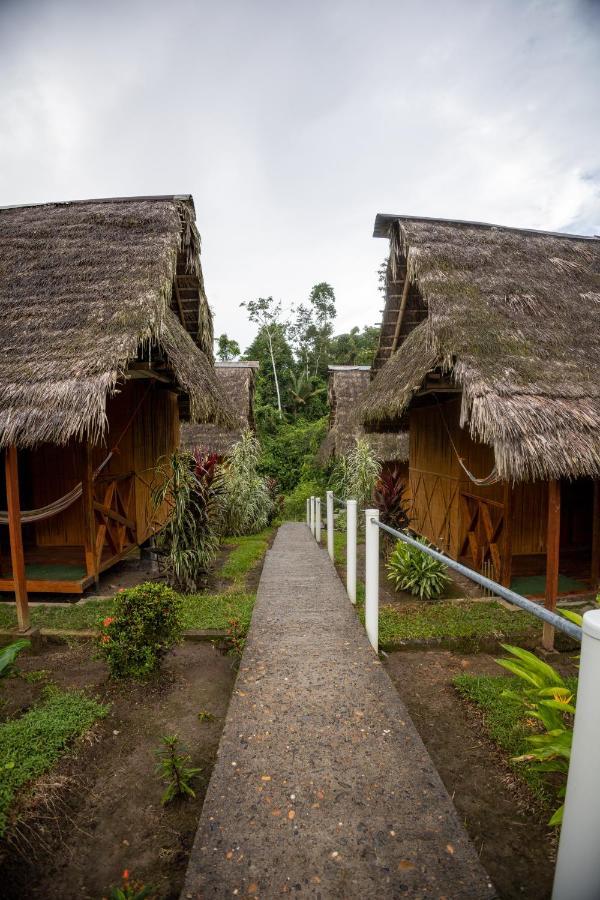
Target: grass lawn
<point>246,554</point>
<point>506,724</point>
<point>201,611</point>
<point>213,611</point>
<point>443,620</point>
<point>31,744</point>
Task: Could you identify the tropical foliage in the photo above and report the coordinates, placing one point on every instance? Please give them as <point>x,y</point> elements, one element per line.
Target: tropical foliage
<point>389,498</point>
<point>416,572</point>
<point>356,474</point>
<point>192,488</point>
<point>9,654</point>
<point>548,701</point>
<point>247,502</point>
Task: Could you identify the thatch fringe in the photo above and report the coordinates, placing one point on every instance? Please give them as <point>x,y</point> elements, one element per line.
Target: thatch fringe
<point>236,381</point>
<point>514,319</point>
<point>85,289</point>
<point>347,385</point>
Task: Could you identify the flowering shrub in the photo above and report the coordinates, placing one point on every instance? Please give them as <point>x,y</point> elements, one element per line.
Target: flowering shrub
<point>146,624</point>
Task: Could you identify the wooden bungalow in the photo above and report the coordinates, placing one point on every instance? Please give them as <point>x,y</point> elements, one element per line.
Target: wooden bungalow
<point>490,351</point>
<point>347,385</point>
<point>237,381</point>
<point>106,341</point>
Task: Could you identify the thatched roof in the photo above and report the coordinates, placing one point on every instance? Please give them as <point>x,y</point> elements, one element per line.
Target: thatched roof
<point>513,318</point>
<point>347,384</point>
<point>236,381</point>
<point>87,288</point>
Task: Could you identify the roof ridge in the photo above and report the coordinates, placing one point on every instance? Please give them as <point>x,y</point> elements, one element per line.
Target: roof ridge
<point>384,220</point>
<point>150,197</point>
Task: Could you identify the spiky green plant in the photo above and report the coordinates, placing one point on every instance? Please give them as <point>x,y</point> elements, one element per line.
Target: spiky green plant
<point>247,503</point>
<point>189,540</point>
<point>412,570</point>
<point>356,474</point>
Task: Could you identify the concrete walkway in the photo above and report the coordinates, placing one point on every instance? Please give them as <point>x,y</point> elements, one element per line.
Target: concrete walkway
<point>322,787</point>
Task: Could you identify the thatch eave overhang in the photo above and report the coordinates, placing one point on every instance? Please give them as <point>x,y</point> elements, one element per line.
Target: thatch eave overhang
<point>85,288</point>
<point>513,320</point>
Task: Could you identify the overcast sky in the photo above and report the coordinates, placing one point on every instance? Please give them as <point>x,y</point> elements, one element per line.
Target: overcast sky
<point>294,123</point>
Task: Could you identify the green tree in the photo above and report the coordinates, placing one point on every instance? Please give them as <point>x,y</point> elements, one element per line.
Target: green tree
<point>304,391</point>
<point>267,314</point>
<point>354,348</point>
<point>322,300</point>
<point>264,348</point>
<point>227,348</point>
<point>312,327</point>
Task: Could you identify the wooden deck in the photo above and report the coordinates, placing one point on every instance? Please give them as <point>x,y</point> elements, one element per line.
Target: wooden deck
<point>64,569</point>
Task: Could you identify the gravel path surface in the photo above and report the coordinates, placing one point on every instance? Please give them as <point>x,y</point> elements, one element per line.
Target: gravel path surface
<point>323,787</point>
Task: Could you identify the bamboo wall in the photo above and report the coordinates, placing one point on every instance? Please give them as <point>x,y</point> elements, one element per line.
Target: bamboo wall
<point>153,433</point>
<point>437,481</point>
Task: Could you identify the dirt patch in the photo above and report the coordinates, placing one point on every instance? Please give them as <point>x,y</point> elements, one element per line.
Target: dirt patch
<point>99,811</point>
<point>500,814</point>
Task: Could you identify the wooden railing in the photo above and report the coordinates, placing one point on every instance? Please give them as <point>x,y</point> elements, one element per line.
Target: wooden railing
<point>114,510</point>
<point>483,534</point>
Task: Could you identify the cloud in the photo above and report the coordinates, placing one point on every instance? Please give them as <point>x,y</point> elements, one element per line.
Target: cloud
<point>294,124</point>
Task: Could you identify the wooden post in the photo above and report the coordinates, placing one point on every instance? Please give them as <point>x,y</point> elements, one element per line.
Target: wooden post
<point>552,559</point>
<point>16,537</point>
<point>595,568</point>
<point>89,516</point>
<point>506,574</point>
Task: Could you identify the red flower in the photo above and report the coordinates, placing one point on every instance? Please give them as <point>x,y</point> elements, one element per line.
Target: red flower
<point>107,621</point>
<point>125,874</point>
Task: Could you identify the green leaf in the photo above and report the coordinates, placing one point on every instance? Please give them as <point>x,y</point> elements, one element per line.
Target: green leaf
<point>535,665</point>
<point>557,818</point>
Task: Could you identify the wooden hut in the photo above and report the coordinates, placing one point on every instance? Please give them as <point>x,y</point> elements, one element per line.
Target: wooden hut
<point>347,385</point>
<point>237,381</point>
<point>490,351</point>
<point>106,340</point>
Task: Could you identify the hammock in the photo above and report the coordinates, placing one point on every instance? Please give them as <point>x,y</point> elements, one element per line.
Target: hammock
<point>45,512</point>
<point>64,502</point>
<point>492,478</point>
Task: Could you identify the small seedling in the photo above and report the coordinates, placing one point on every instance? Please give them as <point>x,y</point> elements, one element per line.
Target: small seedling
<point>130,890</point>
<point>175,770</point>
<point>205,716</point>
<point>35,676</point>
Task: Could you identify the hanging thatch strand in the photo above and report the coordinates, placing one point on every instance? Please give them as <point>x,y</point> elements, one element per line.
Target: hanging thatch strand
<point>347,384</point>
<point>237,380</point>
<point>85,289</point>
<point>514,317</point>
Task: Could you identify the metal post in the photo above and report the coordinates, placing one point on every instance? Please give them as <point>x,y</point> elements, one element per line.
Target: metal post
<point>351,549</point>
<point>330,524</point>
<point>312,516</point>
<point>308,511</point>
<point>372,577</point>
<point>318,520</point>
<point>577,875</point>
